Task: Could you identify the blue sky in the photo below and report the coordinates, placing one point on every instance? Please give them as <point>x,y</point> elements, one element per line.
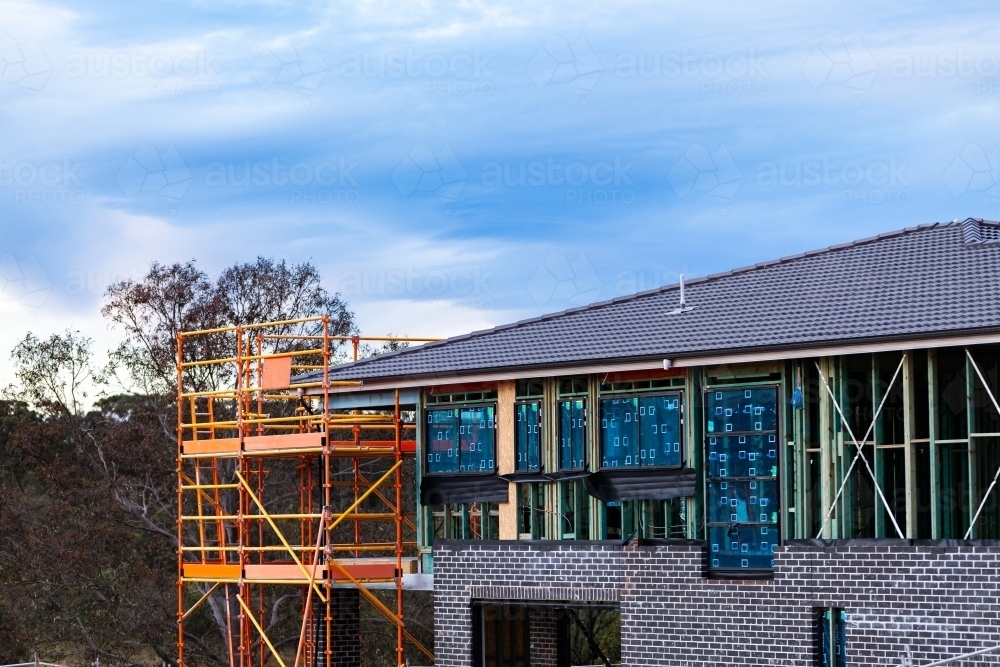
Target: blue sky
<point>450,168</point>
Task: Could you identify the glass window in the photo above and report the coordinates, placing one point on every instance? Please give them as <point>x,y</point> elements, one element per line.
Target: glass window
<point>572,433</point>
<point>660,430</point>
<point>742,471</point>
<point>476,439</point>
<point>641,430</point>
<point>619,432</point>
<point>461,439</point>
<point>528,436</point>
<point>832,636</point>
<point>442,441</point>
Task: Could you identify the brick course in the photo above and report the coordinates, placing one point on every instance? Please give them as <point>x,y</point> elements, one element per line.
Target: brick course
<point>907,605</point>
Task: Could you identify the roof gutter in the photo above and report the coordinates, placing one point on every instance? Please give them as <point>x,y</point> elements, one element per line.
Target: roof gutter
<point>677,361</point>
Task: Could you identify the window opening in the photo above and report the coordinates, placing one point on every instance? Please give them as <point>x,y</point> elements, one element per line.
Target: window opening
<point>987,461</point>
<point>531,511</point>
<point>613,520</point>
<point>639,385</point>
<point>860,494</point>
<point>528,435</point>
<point>921,396</point>
<point>526,388</point>
<point>574,516</point>
<point>461,440</point>
<point>952,388</point>
<point>857,394</point>
<point>814,497</point>
<point>592,637</point>
<point>953,466</point>
<point>893,473</point>
<point>742,471</point>
<point>466,397</point>
<point>572,433</point>
<point>573,385</point>
<point>506,640</point>
<point>984,417</point>
<point>891,418</point>
<point>922,455</point>
<point>641,431</point>
<point>831,637</point>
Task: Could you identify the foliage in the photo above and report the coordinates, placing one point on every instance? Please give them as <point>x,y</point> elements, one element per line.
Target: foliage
<point>88,488</point>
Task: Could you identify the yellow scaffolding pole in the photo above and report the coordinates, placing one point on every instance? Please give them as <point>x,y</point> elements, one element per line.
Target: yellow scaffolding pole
<point>274,527</point>
<point>263,635</point>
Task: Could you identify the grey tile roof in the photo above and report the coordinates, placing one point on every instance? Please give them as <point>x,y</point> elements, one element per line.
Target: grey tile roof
<point>939,279</point>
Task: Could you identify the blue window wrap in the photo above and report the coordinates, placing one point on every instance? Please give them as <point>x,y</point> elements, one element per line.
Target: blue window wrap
<point>741,467</point>
<point>572,433</point>
<point>461,440</point>
<point>528,436</point>
<point>641,431</point>
<point>619,432</point>
<point>832,632</point>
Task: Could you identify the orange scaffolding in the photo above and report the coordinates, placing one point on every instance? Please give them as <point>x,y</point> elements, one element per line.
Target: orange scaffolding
<point>243,537</point>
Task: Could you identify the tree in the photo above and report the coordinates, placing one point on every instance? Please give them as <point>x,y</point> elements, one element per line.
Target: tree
<point>88,496</point>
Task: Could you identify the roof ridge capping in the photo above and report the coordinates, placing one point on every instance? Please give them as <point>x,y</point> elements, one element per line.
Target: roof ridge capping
<point>972,230</point>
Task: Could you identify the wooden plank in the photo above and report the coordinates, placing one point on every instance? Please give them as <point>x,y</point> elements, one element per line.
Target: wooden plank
<point>259,443</point>
<point>211,571</point>
<point>277,373</point>
<point>506,421</point>
<point>360,568</point>
<point>211,446</point>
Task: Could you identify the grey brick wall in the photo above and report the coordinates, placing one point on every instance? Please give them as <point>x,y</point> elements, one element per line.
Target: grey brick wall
<point>542,630</point>
<point>904,603</point>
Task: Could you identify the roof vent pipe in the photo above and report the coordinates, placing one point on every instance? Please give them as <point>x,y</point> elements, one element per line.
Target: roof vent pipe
<point>683,307</point>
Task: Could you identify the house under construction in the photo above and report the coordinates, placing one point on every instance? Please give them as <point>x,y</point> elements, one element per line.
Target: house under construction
<point>792,463</point>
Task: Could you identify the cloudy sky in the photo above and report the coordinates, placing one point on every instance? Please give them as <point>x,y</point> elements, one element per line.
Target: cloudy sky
<point>450,168</point>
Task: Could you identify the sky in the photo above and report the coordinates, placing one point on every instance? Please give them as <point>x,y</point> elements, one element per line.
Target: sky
<point>452,167</point>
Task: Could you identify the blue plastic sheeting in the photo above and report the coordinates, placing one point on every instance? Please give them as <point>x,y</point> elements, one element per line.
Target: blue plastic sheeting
<point>641,431</point>
<point>741,467</point>
<point>742,547</point>
<point>528,437</point>
<point>572,433</point>
<point>461,440</point>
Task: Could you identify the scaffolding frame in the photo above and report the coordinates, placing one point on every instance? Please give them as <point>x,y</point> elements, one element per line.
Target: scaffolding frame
<point>228,442</point>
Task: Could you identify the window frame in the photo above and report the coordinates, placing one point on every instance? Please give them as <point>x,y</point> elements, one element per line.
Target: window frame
<point>559,449</point>
<point>708,479</point>
<point>459,408</point>
<point>541,434</point>
<point>678,393</point>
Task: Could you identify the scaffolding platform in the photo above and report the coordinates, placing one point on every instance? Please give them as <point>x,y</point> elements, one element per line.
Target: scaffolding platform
<point>278,492</point>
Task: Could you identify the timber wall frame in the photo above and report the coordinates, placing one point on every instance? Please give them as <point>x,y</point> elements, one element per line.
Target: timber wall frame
<point>816,450</point>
